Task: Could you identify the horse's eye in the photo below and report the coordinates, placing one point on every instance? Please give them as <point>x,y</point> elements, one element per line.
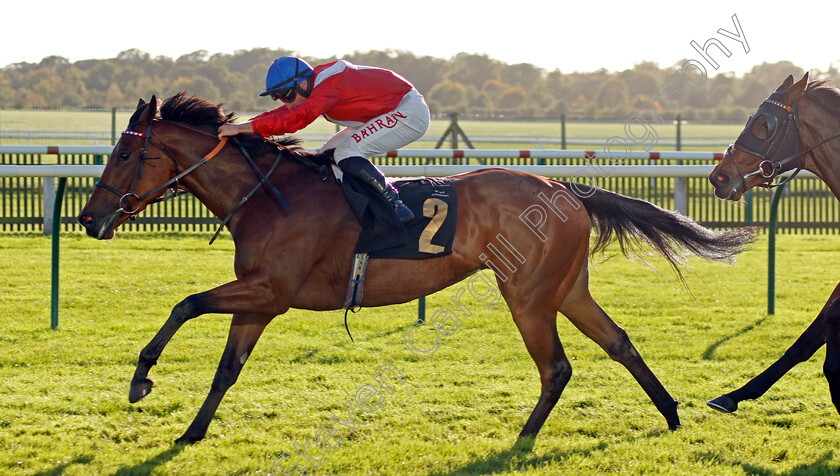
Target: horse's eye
<point>760,128</point>
<point>124,156</point>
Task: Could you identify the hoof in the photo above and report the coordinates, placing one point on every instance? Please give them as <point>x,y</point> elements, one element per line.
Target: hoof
<point>673,417</point>
<point>188,440</point>
<point>139,389</point>
<point>723,404</point>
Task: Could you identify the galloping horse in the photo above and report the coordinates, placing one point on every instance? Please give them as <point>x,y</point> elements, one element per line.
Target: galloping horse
<point>301,257</point>
<point>796,127</point>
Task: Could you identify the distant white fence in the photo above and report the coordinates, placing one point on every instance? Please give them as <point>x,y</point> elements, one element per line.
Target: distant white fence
<point>594,170</point>
<point>99,138</point>
<point>426,153</point>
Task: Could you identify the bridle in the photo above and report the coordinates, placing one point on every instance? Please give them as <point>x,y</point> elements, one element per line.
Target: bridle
<point>783,140</point>
<point>125,205</point>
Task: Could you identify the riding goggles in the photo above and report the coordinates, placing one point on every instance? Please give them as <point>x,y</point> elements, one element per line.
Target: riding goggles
<point>286,95</point>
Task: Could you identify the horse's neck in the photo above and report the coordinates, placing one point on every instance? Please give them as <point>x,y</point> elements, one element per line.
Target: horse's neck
<point>816,125</point>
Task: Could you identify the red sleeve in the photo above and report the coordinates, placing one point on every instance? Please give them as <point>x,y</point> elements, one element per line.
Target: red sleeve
<point>284,120</point>
<point>266,113</point>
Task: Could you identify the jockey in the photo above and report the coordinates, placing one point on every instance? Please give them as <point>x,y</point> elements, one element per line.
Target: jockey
<point>381,111</point>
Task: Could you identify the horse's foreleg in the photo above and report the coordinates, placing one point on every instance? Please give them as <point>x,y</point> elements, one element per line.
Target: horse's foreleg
<point>243,295</point>
<point>245,330</point>
<point>588,316</point>
<point>831,368</point>
<point>539,331</point>
<point>809,342</point>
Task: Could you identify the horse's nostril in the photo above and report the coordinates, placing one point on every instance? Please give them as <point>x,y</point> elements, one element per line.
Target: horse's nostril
<point>86,220</point>
<point>721,179</point>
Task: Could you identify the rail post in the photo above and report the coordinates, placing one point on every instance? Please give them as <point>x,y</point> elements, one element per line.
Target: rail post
<point>113,126</point>
<point>56,232</point>
<point>679,132</point>
<point>680,183</point>
<point>454,130</point>
<point>771,252</point>
<point>49,203</point>
<point>563,131</point>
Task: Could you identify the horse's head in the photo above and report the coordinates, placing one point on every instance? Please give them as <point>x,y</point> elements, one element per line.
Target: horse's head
<point>132,177</point>
<point>769,144</point>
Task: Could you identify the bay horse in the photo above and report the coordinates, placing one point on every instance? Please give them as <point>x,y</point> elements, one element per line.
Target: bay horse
<point>300,256</point>
<point>795,128</point>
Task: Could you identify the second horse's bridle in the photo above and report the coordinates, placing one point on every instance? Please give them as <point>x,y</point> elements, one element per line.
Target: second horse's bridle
<point>782,139</point>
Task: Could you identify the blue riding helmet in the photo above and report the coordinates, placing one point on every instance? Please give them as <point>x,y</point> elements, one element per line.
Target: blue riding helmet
<point>286,72</point>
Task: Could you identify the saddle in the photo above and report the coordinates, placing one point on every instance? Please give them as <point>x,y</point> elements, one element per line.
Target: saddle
<point>429,235</point>
<point>432,200</point>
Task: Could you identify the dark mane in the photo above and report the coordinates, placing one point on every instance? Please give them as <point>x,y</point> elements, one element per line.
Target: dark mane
<point>195,111</point>
<point>824,94</point>
<point>203,114</point>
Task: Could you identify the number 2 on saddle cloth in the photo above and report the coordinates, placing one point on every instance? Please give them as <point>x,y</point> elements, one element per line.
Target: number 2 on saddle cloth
<point>429,235</point>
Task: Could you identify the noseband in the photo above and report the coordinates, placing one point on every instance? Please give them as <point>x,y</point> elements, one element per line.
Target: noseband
<point>782,140</point>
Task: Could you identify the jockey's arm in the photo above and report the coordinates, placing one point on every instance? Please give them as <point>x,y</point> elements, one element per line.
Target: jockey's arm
<point>232,129</point>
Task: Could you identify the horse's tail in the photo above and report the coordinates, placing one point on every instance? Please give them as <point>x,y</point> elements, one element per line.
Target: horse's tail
<point>634,223</point>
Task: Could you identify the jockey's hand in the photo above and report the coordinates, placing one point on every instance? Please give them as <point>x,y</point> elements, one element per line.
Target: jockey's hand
<point>231,129</point>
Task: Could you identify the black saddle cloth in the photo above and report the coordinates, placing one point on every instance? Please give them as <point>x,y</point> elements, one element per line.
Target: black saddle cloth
<point>429,235</point>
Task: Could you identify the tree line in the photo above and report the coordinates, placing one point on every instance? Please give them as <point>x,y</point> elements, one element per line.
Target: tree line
<point>474,85</point>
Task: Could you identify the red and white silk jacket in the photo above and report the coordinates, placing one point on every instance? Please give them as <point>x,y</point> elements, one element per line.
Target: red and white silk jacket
<point>343,93</point>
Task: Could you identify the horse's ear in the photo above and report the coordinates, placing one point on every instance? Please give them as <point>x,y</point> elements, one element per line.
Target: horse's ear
<point>151,110</point>
<point>795,91</point>
<point>788,83</point>
<point>141,103</point>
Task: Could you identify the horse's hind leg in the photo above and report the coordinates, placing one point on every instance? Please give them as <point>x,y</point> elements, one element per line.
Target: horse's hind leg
<point>245,330</point>
<point>539,331</point>
<point>582,310</point>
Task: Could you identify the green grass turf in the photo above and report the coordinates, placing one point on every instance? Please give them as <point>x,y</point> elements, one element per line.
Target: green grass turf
<point>63,393</point>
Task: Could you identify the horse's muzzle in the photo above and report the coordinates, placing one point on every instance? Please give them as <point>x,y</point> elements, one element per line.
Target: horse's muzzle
<point>96,228</point>
<point>724,187</point>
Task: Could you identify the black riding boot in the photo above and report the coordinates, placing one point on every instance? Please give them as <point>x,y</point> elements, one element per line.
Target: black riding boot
<point>362,169</point>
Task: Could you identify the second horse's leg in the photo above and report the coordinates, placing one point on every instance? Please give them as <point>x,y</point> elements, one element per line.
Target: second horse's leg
<point>809,342</point>
<point>831,368</point>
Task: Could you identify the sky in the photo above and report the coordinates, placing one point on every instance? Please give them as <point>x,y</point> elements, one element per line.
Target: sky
<point>569,36</point>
